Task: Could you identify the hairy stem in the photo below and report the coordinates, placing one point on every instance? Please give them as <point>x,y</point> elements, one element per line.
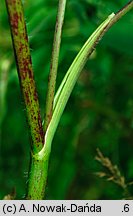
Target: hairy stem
<point>39,162</point>
<point>25,72</point>
<point>38,177</point>
<point>40,153</point>
<point>54,63</point>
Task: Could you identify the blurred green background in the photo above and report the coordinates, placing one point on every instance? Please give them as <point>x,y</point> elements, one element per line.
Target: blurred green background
<point>99,113</point>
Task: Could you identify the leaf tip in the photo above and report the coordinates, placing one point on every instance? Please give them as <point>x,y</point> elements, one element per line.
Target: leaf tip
<point>111,15</point>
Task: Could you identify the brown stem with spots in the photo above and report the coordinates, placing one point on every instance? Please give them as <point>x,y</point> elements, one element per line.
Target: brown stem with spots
<point>25,72</point>
<point>40,156</point>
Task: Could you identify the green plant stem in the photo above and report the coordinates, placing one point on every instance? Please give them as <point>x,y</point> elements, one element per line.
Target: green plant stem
<point>25,72</point>
<point>122,12</point>
<point>59,104</point>
<point>39,163</point>
<point>38,177</point>
<point>117,16</point>
<point>72,75</point>
<point>54,63</point>
<point>39,160</point>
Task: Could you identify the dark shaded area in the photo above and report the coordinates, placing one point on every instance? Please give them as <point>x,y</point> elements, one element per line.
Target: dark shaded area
<point>99,113</point>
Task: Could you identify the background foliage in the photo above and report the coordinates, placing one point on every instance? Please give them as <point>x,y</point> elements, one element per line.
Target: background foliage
<point>99,112</point>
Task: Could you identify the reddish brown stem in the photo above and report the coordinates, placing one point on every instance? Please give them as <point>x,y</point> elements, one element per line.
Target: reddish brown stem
<point>25,72</point>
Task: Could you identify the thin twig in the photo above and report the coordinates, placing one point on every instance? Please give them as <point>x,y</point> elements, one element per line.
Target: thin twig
<point>54,63</point>
<point>117,16</point>
<point>122,12</point>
